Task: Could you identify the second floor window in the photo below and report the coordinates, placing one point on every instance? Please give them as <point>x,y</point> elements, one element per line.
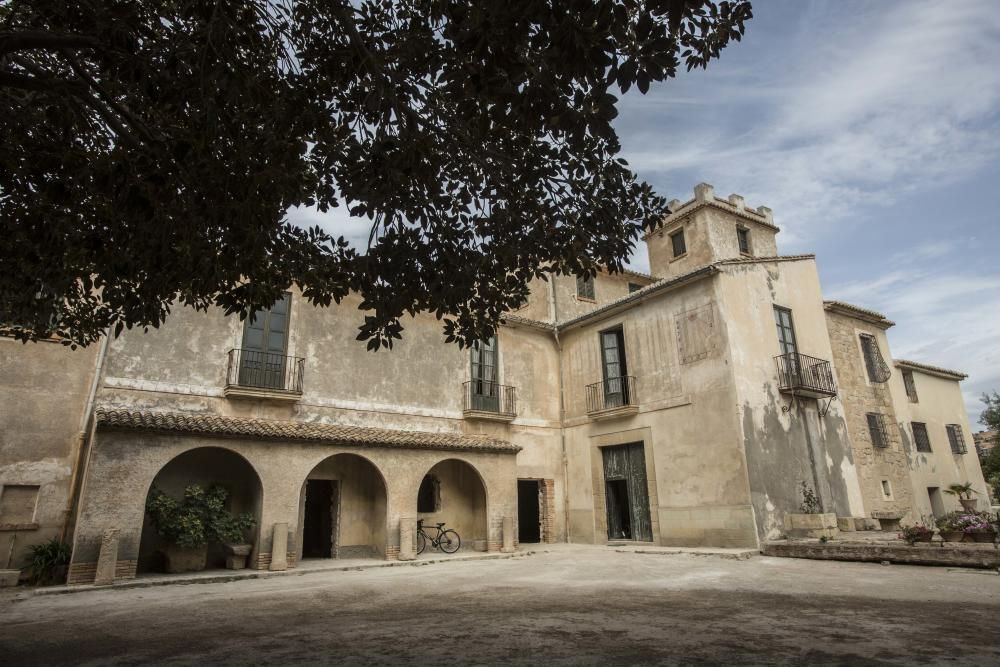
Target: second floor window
<point>743,238</point>
<point>485,394</point>
<point>786,332</point>
<point>877,370</point>
<point>615,368</point>
<point>920,437</point>
<point>677,244</point>
<point>911,386</point>
<point>265,343</point>
<point>876,430</point>
<point>956,439</point>
<point>585,287</point>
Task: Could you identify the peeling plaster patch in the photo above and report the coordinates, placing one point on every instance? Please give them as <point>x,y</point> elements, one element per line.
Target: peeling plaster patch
<point>41,472</point>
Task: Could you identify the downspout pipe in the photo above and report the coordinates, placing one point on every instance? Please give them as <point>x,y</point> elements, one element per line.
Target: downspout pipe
<point>562,407</point>
<point>83,441</point>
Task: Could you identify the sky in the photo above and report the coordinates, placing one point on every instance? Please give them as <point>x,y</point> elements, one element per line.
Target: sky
<point>872,129</point>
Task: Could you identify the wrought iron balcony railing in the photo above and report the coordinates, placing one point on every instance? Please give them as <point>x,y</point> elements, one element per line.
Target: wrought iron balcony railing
<point>489,397</point>
<point>805,376</point>
<point>611,393</point>
<point>265,371</point>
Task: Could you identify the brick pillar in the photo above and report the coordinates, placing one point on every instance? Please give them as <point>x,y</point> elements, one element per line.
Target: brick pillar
<point>508,535</point>
<point>107,560</point>
<point>548,508</point>
<point>279,547</point>
<point>407,538</point>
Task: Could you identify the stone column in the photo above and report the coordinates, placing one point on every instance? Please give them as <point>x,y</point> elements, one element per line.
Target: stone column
<point>508,535</point>
<point>407,537</point>
<point>279,547</point>
<point>107,560</point>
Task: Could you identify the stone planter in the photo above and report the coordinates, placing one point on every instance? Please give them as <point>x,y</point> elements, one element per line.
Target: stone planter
<point>811,525</point>
<point>952,535</point>
<point>236,555</point>
<point>9,578</point>
<point>983,537</point>
<point>179,559</point>
<point>968,504</point>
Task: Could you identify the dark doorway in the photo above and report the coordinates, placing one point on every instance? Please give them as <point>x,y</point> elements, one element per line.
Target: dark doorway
<point>529,530</point>
<point>318,528</point>
<point>626,493</point>
<point>619,515</point>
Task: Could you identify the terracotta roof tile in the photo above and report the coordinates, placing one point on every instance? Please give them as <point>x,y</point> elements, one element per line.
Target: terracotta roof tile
<point>958,375</point>
<point>267,429</point>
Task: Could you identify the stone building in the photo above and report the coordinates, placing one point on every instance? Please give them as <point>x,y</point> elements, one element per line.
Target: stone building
<point>687,407</point>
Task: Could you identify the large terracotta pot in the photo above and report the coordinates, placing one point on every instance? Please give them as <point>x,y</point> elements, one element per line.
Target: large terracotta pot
<point>952,535</point>
<point>180,559</point>
<point>968,504</point>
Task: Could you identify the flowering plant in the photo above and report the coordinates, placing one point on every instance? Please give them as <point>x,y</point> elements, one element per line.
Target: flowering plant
<point>966,522</point>
<point>916,533</point>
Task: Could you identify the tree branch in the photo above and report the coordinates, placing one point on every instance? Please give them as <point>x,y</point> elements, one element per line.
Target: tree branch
<point>38,39</point>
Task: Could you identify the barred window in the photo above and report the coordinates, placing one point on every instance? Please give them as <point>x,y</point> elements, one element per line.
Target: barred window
<point>876,429</point>
<point>920,437</point>
<point>677,243</point>
<point>877,369</point>
<point>956,439</point>
<point>585,287</point>
<point>911,386</point>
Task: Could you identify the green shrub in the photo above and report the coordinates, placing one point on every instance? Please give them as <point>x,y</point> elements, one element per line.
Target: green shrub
<point>45,558</point>
<point>198,518</point>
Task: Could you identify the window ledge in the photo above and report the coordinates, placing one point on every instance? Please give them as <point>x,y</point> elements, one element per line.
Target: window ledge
<point>614,413</point>
<point>677,257</point>
<point>11,527</point>
<point>233,391</point>
<point>486,415</point>
<point>585,299</point>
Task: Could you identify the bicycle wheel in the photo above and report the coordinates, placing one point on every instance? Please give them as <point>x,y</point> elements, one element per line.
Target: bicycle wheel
<point>421,543</point>
<point>449,542</point>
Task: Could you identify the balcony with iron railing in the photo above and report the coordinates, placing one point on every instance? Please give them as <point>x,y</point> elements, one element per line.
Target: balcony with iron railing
<point>802,375</point>
<point>612,397</point>
<point>256,374</point>
<point>484,399</point>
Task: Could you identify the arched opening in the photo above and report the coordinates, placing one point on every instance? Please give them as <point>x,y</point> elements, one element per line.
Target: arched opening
<point>205,467</point>
<point>342,510</point>
<point>454,492</point>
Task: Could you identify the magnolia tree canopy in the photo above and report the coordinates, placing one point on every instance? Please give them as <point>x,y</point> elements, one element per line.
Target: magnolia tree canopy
<point>152,151</point>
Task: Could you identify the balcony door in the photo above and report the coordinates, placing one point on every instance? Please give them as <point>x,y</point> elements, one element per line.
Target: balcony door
<point>265,343</point>
<point>615,368</point>
<point>485,392</point>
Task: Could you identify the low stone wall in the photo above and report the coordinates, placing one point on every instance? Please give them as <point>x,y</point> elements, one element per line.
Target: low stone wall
<point>952,555</point>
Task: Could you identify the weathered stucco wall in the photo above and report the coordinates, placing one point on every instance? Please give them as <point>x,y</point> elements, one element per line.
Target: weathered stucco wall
<point>685,419</point>
<point>42,398</point>
<point>859,396</point>
<point>784,449</point>
<point>124,464</point>
<point>940,403</point>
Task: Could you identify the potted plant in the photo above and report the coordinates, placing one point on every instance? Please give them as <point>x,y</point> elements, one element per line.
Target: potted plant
<point>189,524</point>
<point>951,527</point>
<point>916,533</point>
<point>964,493</point>
<point>48,562</point>
<point>979,527</point>
<point>232,532</point>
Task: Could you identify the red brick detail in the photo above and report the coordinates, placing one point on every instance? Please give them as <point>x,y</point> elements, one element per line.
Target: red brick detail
<point>84,573</point>
<point>548,510</point>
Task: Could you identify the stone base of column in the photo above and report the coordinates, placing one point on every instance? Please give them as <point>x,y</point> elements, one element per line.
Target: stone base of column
<point>407,538</point>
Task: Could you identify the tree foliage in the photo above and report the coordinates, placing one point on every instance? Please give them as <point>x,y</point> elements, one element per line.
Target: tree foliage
<point>990,462</point>
<point>152,151</point>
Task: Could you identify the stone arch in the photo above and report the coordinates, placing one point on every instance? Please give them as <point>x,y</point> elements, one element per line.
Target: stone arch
<point>343,499</point>
<point>205,466</point>
<point>463,501</point>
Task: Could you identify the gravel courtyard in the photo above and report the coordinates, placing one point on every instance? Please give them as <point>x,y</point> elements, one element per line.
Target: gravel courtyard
<point>569,605</point>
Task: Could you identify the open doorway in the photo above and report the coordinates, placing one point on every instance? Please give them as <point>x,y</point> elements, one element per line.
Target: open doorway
<point>318,528</point>
<point>937,502</point>
<point>529,524</point>
<point>626,493</point>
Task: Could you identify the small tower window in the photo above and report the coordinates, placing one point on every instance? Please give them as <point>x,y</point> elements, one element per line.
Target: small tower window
<point>677,244</point>
<point>743,237</point>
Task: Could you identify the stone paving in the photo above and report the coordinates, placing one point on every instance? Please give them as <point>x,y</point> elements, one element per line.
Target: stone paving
<point>566,605</point>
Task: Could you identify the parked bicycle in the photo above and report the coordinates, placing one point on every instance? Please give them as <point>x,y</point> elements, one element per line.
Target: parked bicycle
<point>447,540</point>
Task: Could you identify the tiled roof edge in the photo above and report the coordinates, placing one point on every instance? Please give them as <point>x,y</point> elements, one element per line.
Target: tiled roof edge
<point>857,311</point>
<point>936,370</point>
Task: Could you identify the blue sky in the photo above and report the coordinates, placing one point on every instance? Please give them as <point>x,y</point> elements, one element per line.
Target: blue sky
<point>872,130</point>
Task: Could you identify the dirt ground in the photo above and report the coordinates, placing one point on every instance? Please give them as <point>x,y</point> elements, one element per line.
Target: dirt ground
<point>571,605</point>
